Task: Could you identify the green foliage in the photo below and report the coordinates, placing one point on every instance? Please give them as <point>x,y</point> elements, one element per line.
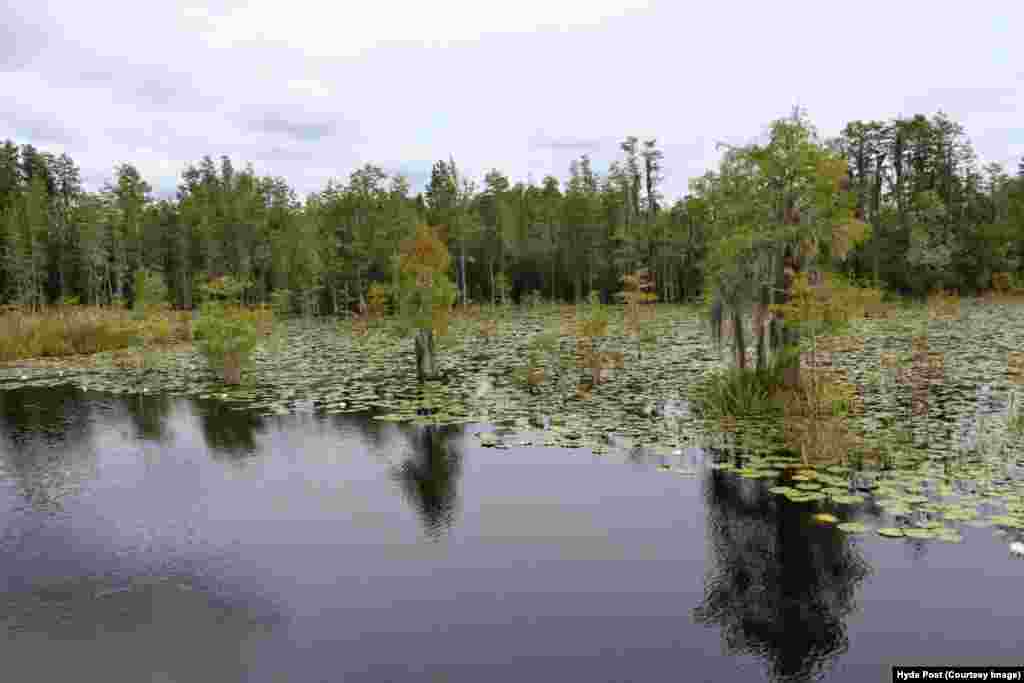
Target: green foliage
<point>546,342</point>
<point>502,287</point>
<point>224,330</point>
<point>533,298</point>
<point>150,291</point>
<point>281,302</point>
<point>903,201</point>
<point>225,288</point>
<point>738,393</point>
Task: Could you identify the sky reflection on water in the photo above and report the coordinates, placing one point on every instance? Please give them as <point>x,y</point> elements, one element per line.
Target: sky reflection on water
<point>166,539</point>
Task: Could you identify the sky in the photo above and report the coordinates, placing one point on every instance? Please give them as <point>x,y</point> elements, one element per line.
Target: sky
<point>311,90</point>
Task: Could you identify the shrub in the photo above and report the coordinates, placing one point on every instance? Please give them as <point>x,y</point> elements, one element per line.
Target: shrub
<point>228,334</point>
<point>748,392</point>
<point>150,292</point>
<point>281,302</point>
<point>69,330</point>
<point>738,392</point>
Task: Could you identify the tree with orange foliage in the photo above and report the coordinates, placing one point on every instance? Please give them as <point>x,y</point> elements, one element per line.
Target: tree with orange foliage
<point>425,294</point>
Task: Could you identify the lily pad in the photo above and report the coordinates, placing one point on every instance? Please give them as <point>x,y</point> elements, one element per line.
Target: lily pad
<point>848,499</point>
<point>920,534</point>
<point>781,490</point>
<point>890,532</point>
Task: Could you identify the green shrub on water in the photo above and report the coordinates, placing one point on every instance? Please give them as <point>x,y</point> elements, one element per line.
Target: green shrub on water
<point>226,332</point>
<point>225,328</point>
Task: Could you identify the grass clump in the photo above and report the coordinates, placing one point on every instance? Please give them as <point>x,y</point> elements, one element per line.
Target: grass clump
<point>72,330</point>
<point>739,392</point>
<point>814,414</point>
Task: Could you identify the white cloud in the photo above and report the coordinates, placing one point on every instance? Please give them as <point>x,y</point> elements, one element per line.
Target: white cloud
<point>309,86</point>
<point>344,30</point>
<point>196,12</point>
<point>309,90</point>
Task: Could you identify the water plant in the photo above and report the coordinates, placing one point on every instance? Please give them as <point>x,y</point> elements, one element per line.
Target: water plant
<point>425,295</point>
<point>227,332</point>
<point>737,392</point>
<point>637,293</point>
<point>59,331</point>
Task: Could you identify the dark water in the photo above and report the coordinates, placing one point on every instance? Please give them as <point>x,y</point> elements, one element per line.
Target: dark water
<point>145,539</point>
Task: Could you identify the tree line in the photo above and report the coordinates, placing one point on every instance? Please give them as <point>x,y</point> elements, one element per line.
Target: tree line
<point>936,220</point>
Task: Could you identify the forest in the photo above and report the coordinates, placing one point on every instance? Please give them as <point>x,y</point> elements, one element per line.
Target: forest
<point>931,219</point>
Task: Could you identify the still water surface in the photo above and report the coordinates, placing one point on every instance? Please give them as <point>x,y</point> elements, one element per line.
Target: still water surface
<point>155,539</point>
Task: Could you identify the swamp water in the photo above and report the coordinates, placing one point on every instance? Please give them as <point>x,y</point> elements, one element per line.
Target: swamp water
<point>174,539</point>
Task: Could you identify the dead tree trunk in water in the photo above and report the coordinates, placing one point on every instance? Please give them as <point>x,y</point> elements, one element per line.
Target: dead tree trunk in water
<point>426,358</point>
<point>787,336</point>
<point>739,339</point>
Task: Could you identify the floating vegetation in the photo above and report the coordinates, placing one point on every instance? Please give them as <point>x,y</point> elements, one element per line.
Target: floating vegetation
<point>853,527</point>
<point>848,499</point>
<point>935,395</point>
<point>919,534</point>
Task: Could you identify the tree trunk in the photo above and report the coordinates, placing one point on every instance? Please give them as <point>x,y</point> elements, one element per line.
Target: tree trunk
<point>876,221</point>
<point>232,368</point>
<point>783,337</point>
<point>426,358</point>
<point>740,341</point>
<point>762,356</point>
<point>359,289</point>
<point>490,272</point>
<point>462,269</point>
<point>186,291</point>
<point>554,263</point>
<point>791,342</point>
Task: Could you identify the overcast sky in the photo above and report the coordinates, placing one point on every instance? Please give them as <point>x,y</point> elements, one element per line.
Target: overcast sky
<point>311,90</point>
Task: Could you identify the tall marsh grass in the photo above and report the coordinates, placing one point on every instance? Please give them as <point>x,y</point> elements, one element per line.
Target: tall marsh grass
<point>72,330</point>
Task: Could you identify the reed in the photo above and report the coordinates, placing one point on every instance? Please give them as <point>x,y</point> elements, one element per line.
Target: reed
<point>73,330</point>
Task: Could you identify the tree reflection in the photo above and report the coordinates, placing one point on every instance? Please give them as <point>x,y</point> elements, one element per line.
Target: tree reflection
<point>149,415</point>
<point>45,442</point>
<point>53,414</point>
<point>429,477</point>
<point>226,431</point>
<point>781,586</point>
